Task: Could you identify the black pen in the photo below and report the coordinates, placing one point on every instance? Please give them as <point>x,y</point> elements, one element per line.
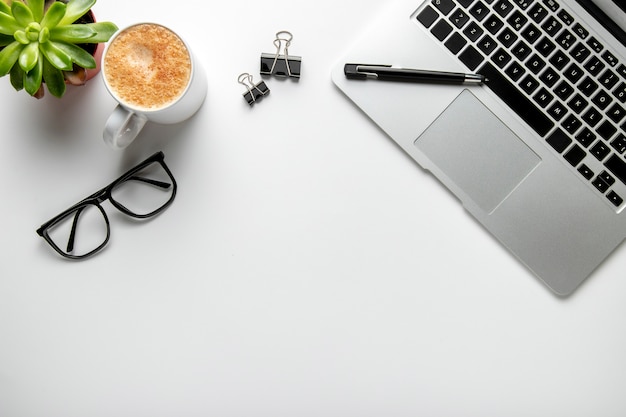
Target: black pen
<point>389,73</point>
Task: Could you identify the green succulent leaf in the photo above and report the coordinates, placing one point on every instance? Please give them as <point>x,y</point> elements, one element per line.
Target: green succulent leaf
<point>104,31</point>
<point>37,6</point>
<point>72,33</point>
<point>54,15</point>
<point>17,77</point>
<point>76,9</point>
<point>8,24</point>
<point>4,8</point>
<point>21,37</point>
<point>56,56</point>
<point>29,56</point>
<point>22,14</point>
<point>5,39</point>
<point>55,81</point>
<point>32,79</point>
<point>9,56</point>
<point>79,56</point>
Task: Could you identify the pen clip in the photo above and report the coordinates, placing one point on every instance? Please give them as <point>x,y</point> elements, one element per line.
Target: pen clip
<point>360,71</point>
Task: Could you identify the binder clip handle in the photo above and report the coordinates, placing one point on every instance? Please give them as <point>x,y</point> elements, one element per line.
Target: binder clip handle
<point>278,41</point>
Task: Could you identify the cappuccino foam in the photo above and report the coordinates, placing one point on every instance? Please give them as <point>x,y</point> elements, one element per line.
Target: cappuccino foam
<point>147,66</point>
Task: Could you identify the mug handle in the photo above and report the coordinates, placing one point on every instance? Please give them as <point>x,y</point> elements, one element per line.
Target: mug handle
<point>122,127</point>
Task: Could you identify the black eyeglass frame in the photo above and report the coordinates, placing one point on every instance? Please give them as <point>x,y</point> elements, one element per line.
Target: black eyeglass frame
<point>104,194</point>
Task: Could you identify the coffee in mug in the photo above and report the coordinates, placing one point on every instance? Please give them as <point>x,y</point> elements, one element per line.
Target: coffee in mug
<point>152,74</point>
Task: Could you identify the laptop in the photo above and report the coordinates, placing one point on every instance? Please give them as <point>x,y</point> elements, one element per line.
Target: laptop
<point>537,153</point>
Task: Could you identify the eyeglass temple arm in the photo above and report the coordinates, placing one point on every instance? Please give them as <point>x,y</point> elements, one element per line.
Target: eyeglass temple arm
<point>156,183</point>
<point>70,242</point>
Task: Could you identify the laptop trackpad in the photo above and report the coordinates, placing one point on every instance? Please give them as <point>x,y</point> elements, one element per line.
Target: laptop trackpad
<point>477,151</point>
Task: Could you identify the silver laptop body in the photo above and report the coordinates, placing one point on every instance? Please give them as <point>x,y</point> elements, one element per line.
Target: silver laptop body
<point>553,218</point>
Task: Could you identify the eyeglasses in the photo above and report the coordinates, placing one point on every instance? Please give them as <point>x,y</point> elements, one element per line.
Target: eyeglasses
<point>83,229</point>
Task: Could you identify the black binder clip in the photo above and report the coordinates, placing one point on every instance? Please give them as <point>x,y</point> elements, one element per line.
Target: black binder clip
<point>255,91</point>
<point>281,65</point>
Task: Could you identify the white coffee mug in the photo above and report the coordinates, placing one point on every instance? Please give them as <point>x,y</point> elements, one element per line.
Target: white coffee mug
<point>154,76</point>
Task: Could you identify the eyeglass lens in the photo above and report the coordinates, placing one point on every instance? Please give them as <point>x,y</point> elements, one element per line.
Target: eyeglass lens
<point>145,191</point>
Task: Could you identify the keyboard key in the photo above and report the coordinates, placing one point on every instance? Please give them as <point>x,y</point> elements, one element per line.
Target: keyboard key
<point>563,90</point>
<point>608,79</point>
<point>545,46</point>
<point>600,185</point>
<point>577,103</point>
<point>594,66</point>
<point>552,26</point>
<point>523,4</point>
<point>471,57</point>
<point>580,53</point>
<point>521,50</point>
<point>559,60</point>
<point>479,11</point>
<point>501,58</point>
<point>503,8</point>
<point>586,137</point>
<point>559,140</point>
<point>543,97</point>
<point>519,103</point>
<point>515,71</point>
<point>552,5</point>
<point>557,111</point>
<point>493,24</point>
<point>592,116</point>
<point>455,43</point>
<point>621,70</point>
<point>441,30</point>
<point>529,84</point>
<point>473,31</point>
<point>615,198</point>
<point>602,99</point>
<point>571,124</point>
<point>595,45</point>
<point>609,58</point>
<point>616,113</point>
<point>566,39</point>
<point>549,77</point>
<point>428,16</point>
<point>459,18</point>
<point>517,20</point>
<point>575,155</point>
<point>444,6</point>
<point>620,92</point>
<point>606,130</point>
<point>619,144</point>
<point>580,31</point>
<point>565,17</point>
<point>487,45</point>
<point>587,86</point>
<point>573,73</point>
<point>535,64</point>
<point>617,166</point>
<point>537,13</point>
<point>586,172</point>
<point>531,33</point>
<point>507,37</point>
<point>600,150</point>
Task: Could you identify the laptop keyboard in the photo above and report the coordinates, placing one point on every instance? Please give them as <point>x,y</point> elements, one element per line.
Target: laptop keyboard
<point>554,73</point>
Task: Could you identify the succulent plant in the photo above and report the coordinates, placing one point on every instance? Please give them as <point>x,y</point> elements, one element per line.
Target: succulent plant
<point>44,42</point>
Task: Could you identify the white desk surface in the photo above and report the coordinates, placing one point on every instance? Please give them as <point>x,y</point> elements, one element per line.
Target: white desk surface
<point>307,267</point>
